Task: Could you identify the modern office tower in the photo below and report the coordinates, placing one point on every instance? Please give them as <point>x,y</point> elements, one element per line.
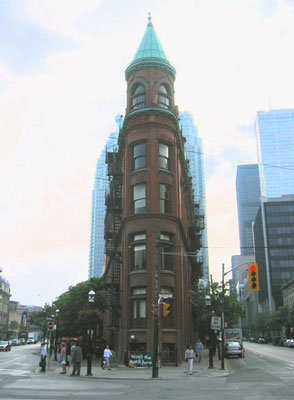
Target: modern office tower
<point>97,242</point>
<point>275,143</point>
<point>248,202</point>
<point>194,151</point>
<point>151,224</point>
<point>274,248</point>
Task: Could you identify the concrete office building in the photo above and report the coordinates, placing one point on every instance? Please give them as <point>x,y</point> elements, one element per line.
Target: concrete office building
<point>4,309</point>
<point>152,221</point>
<point>274,248</point>
<point>194,152</point>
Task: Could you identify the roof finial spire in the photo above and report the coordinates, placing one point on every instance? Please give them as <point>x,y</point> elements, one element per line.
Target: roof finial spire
<point>149,19</point>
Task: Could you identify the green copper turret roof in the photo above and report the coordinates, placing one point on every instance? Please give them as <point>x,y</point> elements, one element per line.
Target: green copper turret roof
<point>150,52</point>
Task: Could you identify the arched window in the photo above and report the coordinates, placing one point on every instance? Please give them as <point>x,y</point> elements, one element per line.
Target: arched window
<point>138,97</point>
<point>164,97</point>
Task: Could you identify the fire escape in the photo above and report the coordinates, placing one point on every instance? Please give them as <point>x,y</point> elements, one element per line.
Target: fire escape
<point>112,226</point>
<point>196,241</point>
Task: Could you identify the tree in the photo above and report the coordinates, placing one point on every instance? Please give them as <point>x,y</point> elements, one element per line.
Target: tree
<point>232,307</point>
<point>76,314</point>
<point>39,318</point>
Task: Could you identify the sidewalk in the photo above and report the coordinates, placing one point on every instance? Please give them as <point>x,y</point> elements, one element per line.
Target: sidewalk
<point>123,372</point>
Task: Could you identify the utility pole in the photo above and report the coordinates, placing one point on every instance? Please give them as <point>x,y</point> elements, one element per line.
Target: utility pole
<point>156,310</point>
<point>223,318</point>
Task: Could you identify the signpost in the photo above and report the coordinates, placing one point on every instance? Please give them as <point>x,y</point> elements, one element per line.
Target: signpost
<point>50,325</point>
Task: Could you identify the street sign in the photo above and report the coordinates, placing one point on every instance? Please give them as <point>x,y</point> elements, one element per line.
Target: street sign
<point>50,325</point>
<point>216,323</point>
<point>165,295</point>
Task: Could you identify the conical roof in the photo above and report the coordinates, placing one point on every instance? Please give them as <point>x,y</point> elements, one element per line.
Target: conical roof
<point>150,52</point>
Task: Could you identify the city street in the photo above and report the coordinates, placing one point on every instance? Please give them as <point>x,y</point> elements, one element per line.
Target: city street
<point>266,373</point>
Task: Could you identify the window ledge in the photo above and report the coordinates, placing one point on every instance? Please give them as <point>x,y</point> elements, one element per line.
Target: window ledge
<point>135,171</point>
<point>138,271</point>
<point>166,171</point>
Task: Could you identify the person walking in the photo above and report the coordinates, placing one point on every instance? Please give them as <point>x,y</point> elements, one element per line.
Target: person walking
<point>43,357</point>
<point>190,357</point>
<point>76,359</point>
<point>199,346</point>
<point>107,354</point>
<point>63,358</point>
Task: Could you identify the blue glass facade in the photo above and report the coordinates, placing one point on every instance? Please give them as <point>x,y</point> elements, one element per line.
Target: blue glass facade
<point>248,202</point>
<point>194,153</point>
<point>97,243</point>
<point>275,142</point>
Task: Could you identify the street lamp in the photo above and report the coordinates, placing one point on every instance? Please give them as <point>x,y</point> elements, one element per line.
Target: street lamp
<point>210,341</point>
<point>56,334</point>
<point>91,299</point>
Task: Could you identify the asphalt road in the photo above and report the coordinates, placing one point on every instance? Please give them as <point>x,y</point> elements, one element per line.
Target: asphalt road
<point>266,373</point>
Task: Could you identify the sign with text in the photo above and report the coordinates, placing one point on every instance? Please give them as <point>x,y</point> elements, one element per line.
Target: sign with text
<point>216,323</point>
<point>140,359</point>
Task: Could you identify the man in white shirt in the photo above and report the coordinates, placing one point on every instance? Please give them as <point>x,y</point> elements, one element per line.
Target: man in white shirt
<point>43,357</point>
<point>107,354</point>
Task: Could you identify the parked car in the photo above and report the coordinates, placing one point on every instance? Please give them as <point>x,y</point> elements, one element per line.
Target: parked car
<point>290,342</point>
<point>4,346</point>
<point>261,340</point>
<point>282,342</point>
<point>233,349</point>
<point>245,339</point>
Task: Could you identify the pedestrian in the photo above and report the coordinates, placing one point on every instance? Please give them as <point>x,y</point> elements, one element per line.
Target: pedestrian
<point>63,358</point>
<point>76,359</point>
<point>107,354</point>
<point>190,357</point>
<point>199,346</point>
<point>43,357</point>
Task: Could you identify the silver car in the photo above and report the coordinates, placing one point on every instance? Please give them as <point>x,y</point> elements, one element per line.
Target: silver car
<point>233,349</point>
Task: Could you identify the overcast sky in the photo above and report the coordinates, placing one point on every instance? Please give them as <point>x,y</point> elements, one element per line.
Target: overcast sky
<point>62,83</point>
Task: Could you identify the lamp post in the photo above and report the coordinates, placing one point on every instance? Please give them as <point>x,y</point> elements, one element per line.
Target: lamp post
<point>156,310</point>
<point>91,299</point>
<point>56,333</point>
<point>210,341</point>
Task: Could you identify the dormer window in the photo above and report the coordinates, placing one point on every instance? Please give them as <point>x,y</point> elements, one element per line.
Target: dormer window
<point>138,97</point>
<point>164,97</point>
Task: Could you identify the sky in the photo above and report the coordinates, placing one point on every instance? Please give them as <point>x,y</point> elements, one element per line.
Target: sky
<point>62,83</point>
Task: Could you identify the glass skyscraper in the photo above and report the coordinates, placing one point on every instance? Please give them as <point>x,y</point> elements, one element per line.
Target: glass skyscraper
<point>97,243</point>
<point>194,152</point>
<point>248,202</point>
<point>275,143</point>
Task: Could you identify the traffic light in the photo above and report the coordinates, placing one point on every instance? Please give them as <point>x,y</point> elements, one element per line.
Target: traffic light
<point>166,309</point>
<point>253,278</point>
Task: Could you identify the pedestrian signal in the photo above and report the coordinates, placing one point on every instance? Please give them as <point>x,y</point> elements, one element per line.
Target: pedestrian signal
<point>253,277</point>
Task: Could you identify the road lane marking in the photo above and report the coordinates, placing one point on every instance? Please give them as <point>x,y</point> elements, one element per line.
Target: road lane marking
<point>14,372</point>
<point>14,359</point>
